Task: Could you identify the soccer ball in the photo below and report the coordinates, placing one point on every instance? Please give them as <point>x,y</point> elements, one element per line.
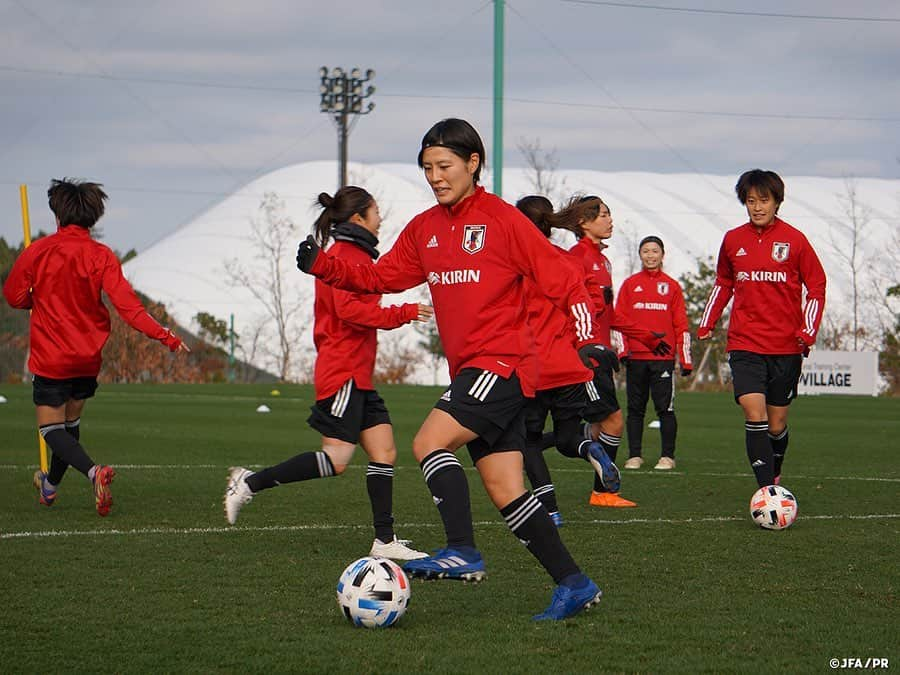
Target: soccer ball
<point>373,592</point>
<point>773,507</point>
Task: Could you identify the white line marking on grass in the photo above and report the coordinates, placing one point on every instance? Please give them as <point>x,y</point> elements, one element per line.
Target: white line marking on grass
<point>48,534</point>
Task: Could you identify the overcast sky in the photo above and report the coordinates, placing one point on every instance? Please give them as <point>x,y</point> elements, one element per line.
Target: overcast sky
<point>173,105</point>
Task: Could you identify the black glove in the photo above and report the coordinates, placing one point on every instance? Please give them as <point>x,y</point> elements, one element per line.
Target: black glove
<point>686,372</point>
<point>307,253</point>
<point>662,347</point>
<point>608,295</point>
<point>598,356</point>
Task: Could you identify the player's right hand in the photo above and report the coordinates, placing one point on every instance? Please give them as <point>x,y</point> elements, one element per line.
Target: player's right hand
<point>662,347</point>
<point>704,333</point>
<point>307,252</point>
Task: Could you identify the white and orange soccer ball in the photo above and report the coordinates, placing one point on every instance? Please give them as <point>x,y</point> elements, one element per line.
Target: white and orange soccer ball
<point>373,592</point>
<point>773,507</point>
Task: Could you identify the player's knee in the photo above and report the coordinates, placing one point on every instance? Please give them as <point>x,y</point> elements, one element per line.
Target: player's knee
<point>340,456</point>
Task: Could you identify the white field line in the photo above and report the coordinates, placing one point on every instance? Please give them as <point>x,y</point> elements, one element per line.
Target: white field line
<point>584,468</point>
<point>48,534</point>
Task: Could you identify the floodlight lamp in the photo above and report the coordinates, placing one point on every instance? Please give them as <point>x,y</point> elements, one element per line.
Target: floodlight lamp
<point>355,73</point>
<point>337,72</point>
<point>339,106</point>
<point>370,90</point>
<point>323,88</point>
<point>323,72</point>
<point>370,74</point>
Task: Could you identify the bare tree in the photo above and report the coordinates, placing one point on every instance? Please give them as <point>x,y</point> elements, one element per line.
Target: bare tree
<point>850,253</point>
<point>541,169</point>
<point>272,236</point>
<point>627,240</point>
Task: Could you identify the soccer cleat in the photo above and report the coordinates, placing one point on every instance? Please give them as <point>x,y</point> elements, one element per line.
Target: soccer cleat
<point>634,463</point>
<point>611,499</point>
<point>237,493</point>
<point>448,563</point>
<point>396,549</point>
<point>557,519</point>
<point>665,464</point>
<point>603,465</point>
<point>45,496</point>
<point>568,600</point>
<point>103,476</point>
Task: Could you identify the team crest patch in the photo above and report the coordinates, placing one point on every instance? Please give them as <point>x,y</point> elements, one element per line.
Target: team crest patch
<point>473,238</point>
<point>780,251</point>
<point>662,287</point>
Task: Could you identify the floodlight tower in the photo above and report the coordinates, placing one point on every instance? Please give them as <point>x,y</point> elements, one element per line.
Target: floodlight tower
<point>344,99</point>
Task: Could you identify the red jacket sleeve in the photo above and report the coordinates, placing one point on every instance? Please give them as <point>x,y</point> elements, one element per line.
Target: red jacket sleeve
<point>720,294</point>
<point>350,308</point>
<point>813,276</point>
<point>682,329</point>
<point>17,288</point>
<point>129,307</point>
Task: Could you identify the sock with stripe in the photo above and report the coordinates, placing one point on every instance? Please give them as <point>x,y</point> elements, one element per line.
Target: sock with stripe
<point>380,486</point>
<point>779,448</point>
<point>66,447</point>
<point>305,466</point>
<point>759,451</point>
<point>531,523</point>
<point>58,466</point>
<point>449,488</point>
<point>538,473</point>
<point>610,445</point>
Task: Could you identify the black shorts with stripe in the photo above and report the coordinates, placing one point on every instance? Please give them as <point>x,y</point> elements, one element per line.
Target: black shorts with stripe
<point>606,403</point>
<point>54,393</point>
<point>561,403</point>
<point>349,412</point>
<point>489,405</point>
<point>775,375</point>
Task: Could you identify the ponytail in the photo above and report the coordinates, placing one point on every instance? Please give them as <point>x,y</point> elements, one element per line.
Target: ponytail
<point>347,201</point>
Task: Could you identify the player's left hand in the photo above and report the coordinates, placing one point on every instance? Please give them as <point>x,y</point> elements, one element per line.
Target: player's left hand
<point>662,347</point>
<point>608,295</point>
<point>598,356</point>
<point>686,372</point>
<point>307,252</point>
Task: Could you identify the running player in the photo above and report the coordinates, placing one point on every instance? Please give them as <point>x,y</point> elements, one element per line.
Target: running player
<point>348,409</point>
<point>60,278</point>
<point>766,264</point>
<point>474,250</point>
<point>655,301</point>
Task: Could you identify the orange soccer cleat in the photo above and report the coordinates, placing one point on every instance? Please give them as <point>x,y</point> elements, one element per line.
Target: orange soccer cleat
<point>102,495</point>
<point>611,499</point>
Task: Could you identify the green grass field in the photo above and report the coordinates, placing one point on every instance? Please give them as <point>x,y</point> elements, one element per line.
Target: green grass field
<point>690,584</point>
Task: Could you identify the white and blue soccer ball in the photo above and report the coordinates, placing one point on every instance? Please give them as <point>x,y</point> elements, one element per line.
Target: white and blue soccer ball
<point>773,507</point>
<point>373,592</point>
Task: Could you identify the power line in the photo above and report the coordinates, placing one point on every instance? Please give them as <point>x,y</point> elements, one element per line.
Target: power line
<point>771,15</point>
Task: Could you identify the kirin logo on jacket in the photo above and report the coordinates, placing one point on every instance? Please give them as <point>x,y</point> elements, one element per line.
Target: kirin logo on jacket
<point>473,238</point>
<point>780,251</point>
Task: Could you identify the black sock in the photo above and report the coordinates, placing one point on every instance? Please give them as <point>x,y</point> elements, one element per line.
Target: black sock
<point>610,445</point>
<point>305,466</point>
<point>531,523</point>
<point>548,440</point>
<point>539,474</point>
<point>66,447</point>
<point>779,448</point>
<point>668,429</point>
<point>759,451</point>
<point>449,488</point>
<point>57,465</point>
<point>380,485</point>
<point>635,427</point>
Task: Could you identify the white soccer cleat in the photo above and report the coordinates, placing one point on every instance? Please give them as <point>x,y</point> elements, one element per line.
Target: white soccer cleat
<point>396,550</point>
<point>237,493</point>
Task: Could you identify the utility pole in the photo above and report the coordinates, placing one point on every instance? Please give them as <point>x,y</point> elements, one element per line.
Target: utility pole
<point>498,96</point>
<point>342,96</point>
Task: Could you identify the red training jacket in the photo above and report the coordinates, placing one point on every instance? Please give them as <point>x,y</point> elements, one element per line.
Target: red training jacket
<point>345,331</point>
<point>474,257</point>
<point>60,278</point>
<point>655,301</point>
<point>766,273</point>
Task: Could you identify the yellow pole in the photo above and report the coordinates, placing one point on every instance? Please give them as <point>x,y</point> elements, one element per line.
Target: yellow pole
<point>26,228</point>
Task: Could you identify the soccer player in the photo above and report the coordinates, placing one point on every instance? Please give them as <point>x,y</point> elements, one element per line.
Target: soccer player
<point>564,385</point>
<point>655,301</point>
<point>766,264</point>
<point>474,250</point>
<point>348,409</point>
<point>592,231</point>
<point>60,278</point>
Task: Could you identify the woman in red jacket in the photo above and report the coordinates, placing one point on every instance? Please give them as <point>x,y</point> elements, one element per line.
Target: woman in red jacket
<point>655,301</point>
<point>348,410</point>
<point>475,251</point>
<point>60,279</point>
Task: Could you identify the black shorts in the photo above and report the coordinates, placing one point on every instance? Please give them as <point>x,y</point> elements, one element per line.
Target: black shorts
<point>349,412</point>
<point>776,375</point>
<point>489,405</point>
<point>605,403</point>
<point>54,393</point>
<point>562,403</point>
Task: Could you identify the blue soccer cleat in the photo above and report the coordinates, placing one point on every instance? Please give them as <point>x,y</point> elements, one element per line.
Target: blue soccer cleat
<point>46,496</point>
<point>557,519</point>
<point>448,563</point>
<point>569,599</point>
<point>603,465</point>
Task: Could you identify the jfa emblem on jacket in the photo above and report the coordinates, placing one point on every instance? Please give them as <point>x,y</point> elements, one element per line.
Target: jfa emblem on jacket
<point>780,251</point>
<point>662,287</point>
<point>473,238</point>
